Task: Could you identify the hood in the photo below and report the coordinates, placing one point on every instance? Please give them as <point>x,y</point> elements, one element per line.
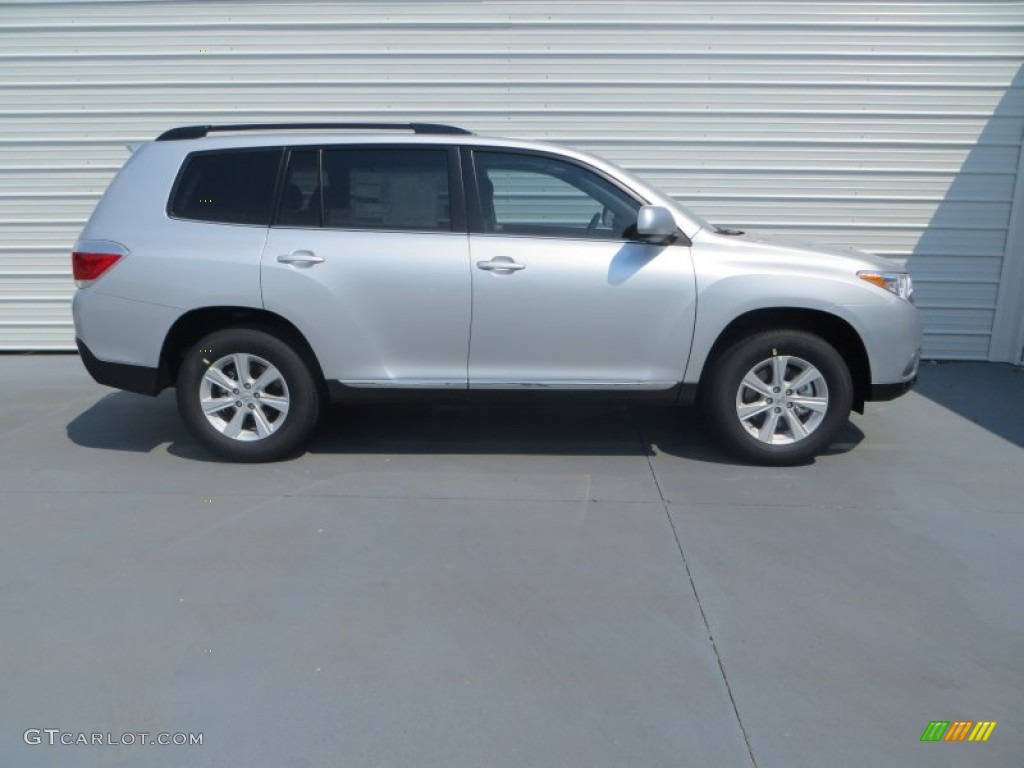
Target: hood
<point>792,244</point>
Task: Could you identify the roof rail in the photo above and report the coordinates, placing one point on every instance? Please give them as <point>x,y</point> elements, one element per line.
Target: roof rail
<point>199,131</point>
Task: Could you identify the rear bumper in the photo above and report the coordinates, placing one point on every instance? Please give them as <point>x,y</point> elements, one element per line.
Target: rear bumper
<point>879,392</point>
<point>132,378</point>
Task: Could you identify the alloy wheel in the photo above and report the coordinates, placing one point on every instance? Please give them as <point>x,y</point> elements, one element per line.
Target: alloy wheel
<point>782,400</point>
<point>244,397</point>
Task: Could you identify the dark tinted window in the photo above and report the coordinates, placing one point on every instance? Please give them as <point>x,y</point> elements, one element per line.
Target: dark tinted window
<point>386,189</point>
<point>536,195</point>
<point>233,187</point>
<point>301,195</point>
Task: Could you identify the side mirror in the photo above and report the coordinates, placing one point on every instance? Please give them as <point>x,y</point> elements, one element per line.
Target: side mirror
<point>655,223</point>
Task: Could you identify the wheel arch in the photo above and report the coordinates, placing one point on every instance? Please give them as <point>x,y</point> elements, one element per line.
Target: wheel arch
<point>197,323</point>
<point>833,329</point>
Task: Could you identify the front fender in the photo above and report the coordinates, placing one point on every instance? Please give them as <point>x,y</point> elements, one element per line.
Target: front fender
<point>724,298</point>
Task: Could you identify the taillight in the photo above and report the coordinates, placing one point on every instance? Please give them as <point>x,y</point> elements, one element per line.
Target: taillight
<point>89,265</point>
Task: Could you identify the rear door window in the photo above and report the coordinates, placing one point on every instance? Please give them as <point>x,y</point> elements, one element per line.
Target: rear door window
<point>388,189</point>
<point>233,187</point>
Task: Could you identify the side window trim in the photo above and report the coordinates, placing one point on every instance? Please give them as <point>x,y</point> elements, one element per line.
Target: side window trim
<point>282,179</point>
<point>456,186</point>
<point>474,215</point>
<point>456,191</point>
<point>471,177</point>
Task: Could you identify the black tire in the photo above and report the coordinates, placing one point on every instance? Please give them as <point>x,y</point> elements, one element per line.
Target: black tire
<point>292,386</point>
<point>759,353</point>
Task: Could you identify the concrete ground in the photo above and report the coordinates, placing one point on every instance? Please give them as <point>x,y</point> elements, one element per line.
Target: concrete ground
<point>506,587</point>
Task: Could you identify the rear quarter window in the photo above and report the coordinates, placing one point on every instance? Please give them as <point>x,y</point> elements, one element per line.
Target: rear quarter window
<point>233,187</point>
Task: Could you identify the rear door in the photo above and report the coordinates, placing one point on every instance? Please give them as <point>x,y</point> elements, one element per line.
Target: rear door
<point>369,257</point>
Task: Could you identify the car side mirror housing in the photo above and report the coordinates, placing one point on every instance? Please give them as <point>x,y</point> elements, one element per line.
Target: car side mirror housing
<point>656,224</point>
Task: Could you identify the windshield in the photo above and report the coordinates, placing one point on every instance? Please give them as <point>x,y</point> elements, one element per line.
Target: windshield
<point>636,181</point>
<point>697,219</point>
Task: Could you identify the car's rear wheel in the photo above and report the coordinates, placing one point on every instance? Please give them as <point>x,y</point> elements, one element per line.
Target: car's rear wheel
<point>778,397</point>
<point>247,396</point>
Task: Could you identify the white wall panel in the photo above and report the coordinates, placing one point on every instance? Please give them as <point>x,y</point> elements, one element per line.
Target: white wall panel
<point>892,126</point>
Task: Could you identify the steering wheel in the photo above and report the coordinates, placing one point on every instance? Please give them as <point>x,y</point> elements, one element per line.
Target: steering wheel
<point>594,222</point>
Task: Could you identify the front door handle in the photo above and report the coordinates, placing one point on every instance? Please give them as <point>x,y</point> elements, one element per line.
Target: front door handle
<point>300,258</point>
<point>500,264</point>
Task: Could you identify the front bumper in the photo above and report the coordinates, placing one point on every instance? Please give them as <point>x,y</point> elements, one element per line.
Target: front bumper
<point>881,392</point>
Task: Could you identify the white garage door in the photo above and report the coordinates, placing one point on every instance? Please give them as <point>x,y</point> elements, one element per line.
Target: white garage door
<point>895,127</point>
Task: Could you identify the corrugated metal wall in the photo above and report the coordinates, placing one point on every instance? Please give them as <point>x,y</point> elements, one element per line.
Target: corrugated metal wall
<point>895,127</point>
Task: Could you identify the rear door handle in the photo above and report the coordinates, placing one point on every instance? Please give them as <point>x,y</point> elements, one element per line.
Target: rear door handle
<point>300,258</point>
<point>500,264</point>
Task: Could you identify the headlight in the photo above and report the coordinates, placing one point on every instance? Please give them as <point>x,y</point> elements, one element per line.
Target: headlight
<point>895,282</point>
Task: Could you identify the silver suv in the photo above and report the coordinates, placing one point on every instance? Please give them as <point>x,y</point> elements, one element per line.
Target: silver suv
<point>267,269</point>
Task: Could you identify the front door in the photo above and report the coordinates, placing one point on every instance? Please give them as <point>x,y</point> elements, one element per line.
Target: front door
<point>562,296</point>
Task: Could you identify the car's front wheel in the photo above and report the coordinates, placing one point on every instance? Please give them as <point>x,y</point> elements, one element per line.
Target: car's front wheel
<point>778,397</point>
<point>247,395</point>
